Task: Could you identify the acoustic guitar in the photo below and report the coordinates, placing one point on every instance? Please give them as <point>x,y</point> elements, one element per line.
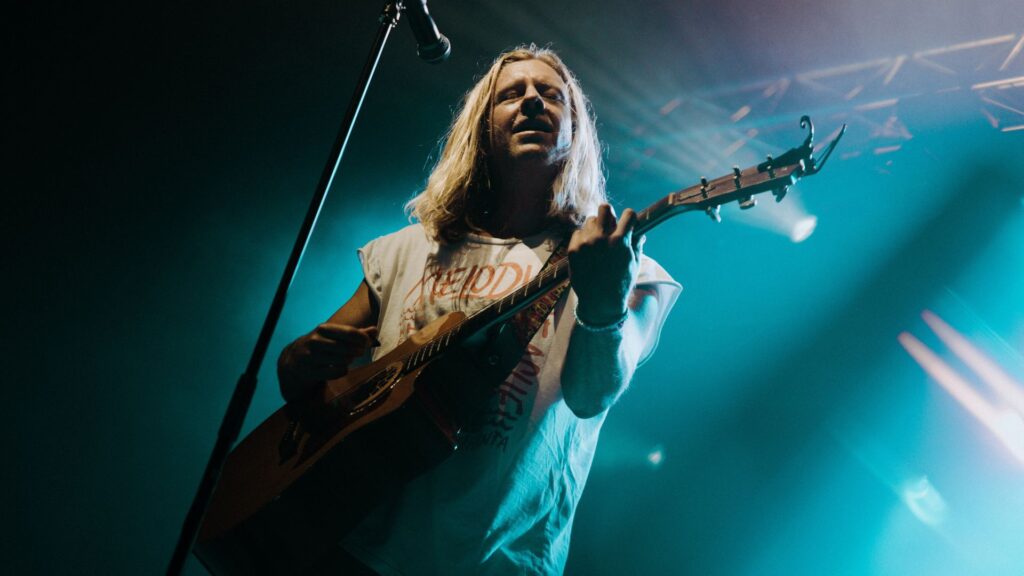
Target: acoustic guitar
<point>304,477</point>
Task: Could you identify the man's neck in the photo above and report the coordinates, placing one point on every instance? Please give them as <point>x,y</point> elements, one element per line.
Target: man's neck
<point>520,202</point>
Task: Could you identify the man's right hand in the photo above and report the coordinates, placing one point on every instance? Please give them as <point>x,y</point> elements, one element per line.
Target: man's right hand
<point>323,354</point>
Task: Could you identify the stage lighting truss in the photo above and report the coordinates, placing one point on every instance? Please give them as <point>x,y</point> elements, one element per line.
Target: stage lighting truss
<point>883,101</point>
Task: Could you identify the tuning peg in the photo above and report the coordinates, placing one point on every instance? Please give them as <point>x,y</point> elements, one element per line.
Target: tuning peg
<point>713,212</point>
<point>736,176</point>
<point>780,193</point>
<point>703,186</point>
<point>748,203</point>
<point>771,168</point>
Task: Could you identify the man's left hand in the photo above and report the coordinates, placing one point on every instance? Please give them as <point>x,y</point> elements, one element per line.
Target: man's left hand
<point>603,264</point>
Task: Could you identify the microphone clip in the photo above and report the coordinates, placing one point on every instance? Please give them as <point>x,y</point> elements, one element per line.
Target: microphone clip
<point>431,45</point>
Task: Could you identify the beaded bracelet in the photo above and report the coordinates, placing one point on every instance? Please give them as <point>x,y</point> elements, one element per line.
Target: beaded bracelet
<point>610,327</point>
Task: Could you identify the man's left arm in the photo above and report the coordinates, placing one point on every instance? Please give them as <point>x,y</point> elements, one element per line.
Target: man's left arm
<point>599,365</point>
<point>616,320</point>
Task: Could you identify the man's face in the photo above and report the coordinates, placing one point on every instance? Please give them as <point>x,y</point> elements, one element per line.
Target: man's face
<point>530,116</point>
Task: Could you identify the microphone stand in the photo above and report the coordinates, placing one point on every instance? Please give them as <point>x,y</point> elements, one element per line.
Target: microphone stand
<point>246,386</point>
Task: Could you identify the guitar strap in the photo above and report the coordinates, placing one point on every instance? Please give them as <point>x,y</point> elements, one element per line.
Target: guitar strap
<point>507,342</point>
<point>450,401</point>
<point>527,322</point>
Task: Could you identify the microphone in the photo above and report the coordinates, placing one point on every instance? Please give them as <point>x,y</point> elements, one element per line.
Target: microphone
<point>431,45</point>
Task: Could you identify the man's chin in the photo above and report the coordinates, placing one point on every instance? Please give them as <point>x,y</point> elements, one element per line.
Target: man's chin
<point>539,153</point>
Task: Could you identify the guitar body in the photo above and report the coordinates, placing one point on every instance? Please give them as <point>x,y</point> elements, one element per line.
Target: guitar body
<point>301,480</point>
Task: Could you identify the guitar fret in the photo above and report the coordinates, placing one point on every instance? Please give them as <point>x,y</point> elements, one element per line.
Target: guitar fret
<point>672,204</point>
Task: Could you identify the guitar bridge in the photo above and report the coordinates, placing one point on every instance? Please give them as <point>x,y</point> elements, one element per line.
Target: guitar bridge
<point>289,444</point>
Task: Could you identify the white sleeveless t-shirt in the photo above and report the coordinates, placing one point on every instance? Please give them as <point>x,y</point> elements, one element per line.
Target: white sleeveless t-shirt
<point>503,503</point>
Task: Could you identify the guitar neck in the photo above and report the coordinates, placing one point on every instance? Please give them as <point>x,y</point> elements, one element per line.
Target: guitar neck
<point>550,277</point>
<point>708,194</point>
<point>774,175</point>
<point>554,275</point>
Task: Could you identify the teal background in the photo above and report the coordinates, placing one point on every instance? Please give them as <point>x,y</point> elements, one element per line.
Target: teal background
<point>160,159</point>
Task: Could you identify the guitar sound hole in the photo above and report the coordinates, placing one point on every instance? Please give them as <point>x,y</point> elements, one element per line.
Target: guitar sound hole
<point>374,389</point>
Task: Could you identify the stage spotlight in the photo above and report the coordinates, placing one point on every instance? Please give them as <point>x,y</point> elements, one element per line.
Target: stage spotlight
<point>655,457</point>
<point>803,228</point>
<point>789,218</point>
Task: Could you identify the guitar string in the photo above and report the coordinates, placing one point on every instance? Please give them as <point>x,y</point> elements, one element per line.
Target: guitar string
<point>557,268</point>
<point>543,283</point>
<point>528,292</point>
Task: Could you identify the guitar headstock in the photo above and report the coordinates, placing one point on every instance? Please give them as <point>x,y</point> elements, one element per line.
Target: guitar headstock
<point>774,175</point>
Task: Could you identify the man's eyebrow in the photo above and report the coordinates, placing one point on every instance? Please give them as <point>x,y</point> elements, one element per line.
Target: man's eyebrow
<point>515,82</point>
<point>520,81</point>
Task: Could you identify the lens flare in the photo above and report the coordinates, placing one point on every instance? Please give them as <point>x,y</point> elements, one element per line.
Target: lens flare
<point>1000,415</point>
<point>924,501</point>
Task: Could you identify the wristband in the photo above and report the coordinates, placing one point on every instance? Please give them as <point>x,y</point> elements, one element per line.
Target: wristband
<point>610,327</point>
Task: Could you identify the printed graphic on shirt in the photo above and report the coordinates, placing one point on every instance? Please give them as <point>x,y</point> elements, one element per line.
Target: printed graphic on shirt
<point>461,288</point>
<point>469,289</point>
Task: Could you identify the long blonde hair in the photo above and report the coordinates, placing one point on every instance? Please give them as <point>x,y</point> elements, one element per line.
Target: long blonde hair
<point>444,207</point>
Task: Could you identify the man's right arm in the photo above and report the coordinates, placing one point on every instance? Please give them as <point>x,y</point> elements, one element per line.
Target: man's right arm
<point>326,352</point>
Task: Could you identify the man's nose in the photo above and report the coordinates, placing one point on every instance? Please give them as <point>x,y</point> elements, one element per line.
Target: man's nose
<point>533,104</point>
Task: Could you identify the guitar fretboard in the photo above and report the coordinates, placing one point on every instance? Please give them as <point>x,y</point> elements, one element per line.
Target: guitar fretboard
<point>549,278</point>
<point>709,194</point>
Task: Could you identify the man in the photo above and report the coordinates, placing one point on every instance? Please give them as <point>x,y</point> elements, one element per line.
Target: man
<point>519,173</point>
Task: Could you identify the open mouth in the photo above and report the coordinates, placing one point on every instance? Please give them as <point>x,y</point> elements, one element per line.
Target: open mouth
<point>533,126</point>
